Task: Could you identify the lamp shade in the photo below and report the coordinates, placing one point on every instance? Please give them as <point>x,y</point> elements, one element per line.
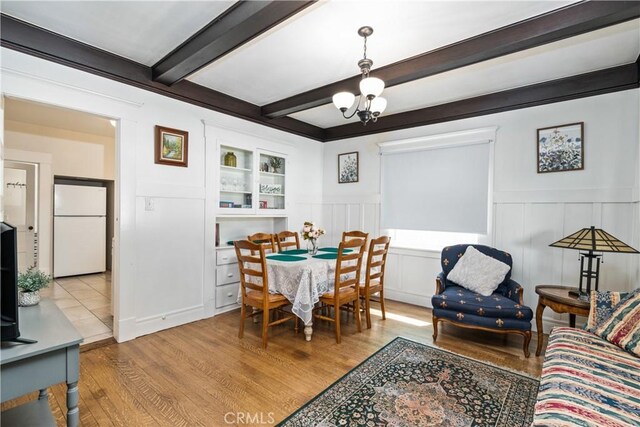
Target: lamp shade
<point>378,104</point>
<point>371,86</point>
<point>593,239</point>
<point>343,100</point>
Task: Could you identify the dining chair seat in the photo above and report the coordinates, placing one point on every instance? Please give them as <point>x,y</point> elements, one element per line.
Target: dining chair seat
<point>273,298</point>
<point>342,293</point>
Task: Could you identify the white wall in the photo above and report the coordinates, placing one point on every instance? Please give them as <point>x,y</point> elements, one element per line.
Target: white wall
<point>74,154</point>
<point>531,210</point>
<point>160,267</point>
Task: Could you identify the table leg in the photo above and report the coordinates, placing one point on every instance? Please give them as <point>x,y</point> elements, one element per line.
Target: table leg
<point>308,331</point>
<point>572,320</point>
<point>73,413</point>
<point>539,312</point>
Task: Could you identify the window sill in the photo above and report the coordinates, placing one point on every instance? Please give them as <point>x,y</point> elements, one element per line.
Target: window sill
<point>426,253</point>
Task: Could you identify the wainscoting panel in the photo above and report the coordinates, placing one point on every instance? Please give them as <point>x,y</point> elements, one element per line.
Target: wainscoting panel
<point>524,229</point>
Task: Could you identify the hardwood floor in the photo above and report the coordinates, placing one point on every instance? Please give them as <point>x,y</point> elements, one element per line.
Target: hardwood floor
<point>201,374</point>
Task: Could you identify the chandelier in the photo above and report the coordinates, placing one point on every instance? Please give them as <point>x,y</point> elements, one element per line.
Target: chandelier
<point>370,88</point>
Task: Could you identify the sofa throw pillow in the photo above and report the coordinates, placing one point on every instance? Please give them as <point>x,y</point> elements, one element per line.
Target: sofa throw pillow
<point>478,272</point>
<point>622,326</point>
<point>601,304</point>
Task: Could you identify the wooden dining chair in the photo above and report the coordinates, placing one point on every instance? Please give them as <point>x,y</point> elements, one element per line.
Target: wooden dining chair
<point>346,290</point>
<point>355,234</point>
<point>254,283</point>
<point>285,244</point>
<point>373,282</point>
<point>265,240</point>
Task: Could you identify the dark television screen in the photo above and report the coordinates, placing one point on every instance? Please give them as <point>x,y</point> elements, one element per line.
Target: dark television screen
<point>9,282</point>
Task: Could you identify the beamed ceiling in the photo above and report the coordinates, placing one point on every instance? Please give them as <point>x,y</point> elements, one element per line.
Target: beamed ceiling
<point>279,62</point>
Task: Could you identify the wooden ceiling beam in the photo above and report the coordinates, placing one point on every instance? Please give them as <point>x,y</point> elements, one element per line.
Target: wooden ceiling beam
<point>239,24</point>
<point>26,38</point>
<point>556,25</point>
<point>614,79</point>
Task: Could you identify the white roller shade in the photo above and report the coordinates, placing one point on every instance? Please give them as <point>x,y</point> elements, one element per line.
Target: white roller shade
<point>443,188</point>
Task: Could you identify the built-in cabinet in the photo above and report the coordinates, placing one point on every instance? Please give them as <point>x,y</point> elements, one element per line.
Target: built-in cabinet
<point>251,181</point>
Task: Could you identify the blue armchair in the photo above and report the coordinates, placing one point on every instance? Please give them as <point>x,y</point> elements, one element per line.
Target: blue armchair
<point>502,312</point>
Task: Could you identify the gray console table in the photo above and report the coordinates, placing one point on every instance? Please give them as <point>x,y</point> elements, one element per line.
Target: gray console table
<point>25,368</point>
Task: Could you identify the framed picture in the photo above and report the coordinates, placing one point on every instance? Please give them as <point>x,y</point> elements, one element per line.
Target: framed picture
<point>561,148</point>
<point>172,147</point>
<point>348,167</point>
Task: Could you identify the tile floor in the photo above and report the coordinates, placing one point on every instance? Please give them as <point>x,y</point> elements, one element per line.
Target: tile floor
<point>86,301</point>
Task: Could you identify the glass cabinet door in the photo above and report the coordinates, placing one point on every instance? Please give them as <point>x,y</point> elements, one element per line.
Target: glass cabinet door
<point>236,179</point>
<point>271,185</point>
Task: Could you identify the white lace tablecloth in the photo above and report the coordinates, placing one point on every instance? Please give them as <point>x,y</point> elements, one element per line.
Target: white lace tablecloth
<point>301,282</point>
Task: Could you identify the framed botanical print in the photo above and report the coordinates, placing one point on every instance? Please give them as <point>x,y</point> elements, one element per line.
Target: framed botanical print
<point>171,147</point>
<point>561,148</point>
<point>348,167</point>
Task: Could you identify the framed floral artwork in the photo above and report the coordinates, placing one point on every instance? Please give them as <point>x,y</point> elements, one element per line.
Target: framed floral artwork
<point>561,148</point>
<point>171,147</point>
<point>348,167</point>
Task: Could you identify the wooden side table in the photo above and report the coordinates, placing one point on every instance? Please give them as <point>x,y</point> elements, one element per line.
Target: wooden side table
<point>557,298</point>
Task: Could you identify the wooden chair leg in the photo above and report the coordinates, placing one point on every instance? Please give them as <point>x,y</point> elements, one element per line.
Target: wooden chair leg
<point>435,328</point>
<point>357,314</point>
<point>242,317</point>
<point>367,309</point>
<point>384,317</point>
<point>295,327</point>
<point>527,340</point>
<point>337,320</point>
<point>265,326</point>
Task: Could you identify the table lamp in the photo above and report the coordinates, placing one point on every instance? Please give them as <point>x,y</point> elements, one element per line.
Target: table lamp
<point>591,240</point>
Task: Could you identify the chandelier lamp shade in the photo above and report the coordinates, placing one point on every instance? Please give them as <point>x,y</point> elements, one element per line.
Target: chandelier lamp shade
<point>370,104</point>
<point>588,241</point>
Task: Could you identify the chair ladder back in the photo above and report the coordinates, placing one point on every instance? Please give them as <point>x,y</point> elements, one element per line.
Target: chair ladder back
<point>355,234</point>
<point>357,245</point>
<point>377,259</point>
<point>283,243</point>
<point>265,240</point>
<point>244,260</point>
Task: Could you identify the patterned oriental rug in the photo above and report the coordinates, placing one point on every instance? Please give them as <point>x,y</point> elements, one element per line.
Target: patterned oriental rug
<point>411,384</point>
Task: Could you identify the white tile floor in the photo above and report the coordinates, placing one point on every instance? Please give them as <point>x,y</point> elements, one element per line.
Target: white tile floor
<point>86,301</point>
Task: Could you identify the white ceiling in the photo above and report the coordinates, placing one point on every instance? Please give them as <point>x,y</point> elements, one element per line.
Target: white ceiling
<point>143,31</point>
<point>320,45</point>
<point>609,47</point>
<point>34,113</point>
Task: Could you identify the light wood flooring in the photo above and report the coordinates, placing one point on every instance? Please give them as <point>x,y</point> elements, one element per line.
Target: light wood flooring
<point>195,374</point>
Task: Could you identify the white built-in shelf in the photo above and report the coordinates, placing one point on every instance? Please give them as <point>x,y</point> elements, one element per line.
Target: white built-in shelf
<point>271,173</point>
<point>270,194</point>
<point>236,192</point>
<point>231,168</point>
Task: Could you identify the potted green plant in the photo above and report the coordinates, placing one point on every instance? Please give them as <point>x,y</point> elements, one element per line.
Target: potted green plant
<point>29,284</point>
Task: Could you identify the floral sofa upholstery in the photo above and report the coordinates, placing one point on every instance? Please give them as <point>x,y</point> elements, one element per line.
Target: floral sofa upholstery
<point>587,381</point>
<point>502,312</point>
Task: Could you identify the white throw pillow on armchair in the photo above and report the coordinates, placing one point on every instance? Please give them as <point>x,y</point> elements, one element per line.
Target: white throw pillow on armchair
<point>478,272</point>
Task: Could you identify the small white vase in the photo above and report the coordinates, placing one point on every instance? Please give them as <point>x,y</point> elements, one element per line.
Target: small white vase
<point>26,299</point>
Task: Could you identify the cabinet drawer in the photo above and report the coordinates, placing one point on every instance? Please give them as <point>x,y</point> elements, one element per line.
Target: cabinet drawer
<point>226,257</point>
<point>227,274</point>
<point>227,295</point>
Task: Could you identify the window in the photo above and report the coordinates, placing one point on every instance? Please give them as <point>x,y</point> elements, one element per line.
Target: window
<point>429,240</point>
<point>435,191</point>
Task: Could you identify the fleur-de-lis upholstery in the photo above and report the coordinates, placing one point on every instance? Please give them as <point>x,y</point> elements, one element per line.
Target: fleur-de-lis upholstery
<point>503,312</point>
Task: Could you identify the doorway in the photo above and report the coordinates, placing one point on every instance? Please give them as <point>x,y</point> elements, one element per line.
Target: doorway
<point>44,145</point>
<point>21,209</point>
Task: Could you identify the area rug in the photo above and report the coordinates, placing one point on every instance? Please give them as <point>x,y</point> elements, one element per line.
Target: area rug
<point>411,384</point>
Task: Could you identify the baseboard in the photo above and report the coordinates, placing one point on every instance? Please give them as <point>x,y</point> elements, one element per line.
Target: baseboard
<point>168,320</point>
<point>227,308</point>
<point>395,295</point>
<point>124,329</point>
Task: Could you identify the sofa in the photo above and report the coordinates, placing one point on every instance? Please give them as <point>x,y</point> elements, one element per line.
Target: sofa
<point>503,312</point>
<point>587,381</point>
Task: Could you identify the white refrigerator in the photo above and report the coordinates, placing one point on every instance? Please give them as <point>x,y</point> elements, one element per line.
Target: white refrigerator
<point>79,230</point>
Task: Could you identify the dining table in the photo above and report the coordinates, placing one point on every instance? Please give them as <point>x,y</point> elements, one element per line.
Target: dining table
<point>302,278</point>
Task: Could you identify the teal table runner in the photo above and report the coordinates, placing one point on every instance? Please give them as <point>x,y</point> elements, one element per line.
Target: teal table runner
<point>289,258</point>
<point>346,251</point>
<point>326,256</point>
<point>294,252</point>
